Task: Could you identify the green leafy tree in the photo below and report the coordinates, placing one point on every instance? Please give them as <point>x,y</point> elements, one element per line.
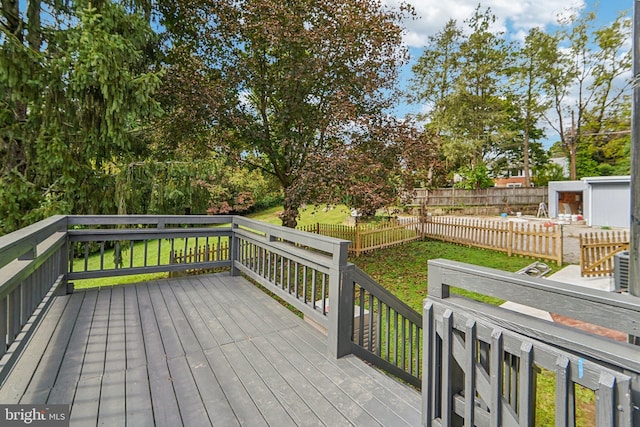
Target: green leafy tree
<point>474,178</point>
<point>462,80</point>
<point>528,75</point>
<point>606,128</point>
<point>197,186</point>
<point>546,173</point>
<point>435,74</point>
<point>374,171</point>
<point>300,79</point>
<point>592,65</point>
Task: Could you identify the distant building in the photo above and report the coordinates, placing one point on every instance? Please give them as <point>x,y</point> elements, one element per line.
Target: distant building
<point>563,162</point>
<point>602,200</point>
<point>514,179</point>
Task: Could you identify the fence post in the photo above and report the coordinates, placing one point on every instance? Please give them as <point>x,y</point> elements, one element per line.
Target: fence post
<point>559,244</point>
<point>511,237</point>
<point>357,239</point>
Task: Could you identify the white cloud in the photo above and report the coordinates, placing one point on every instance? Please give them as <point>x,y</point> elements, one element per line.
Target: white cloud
<point>517,16</point>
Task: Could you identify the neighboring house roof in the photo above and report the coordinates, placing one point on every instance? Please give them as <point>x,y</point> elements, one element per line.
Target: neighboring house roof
<point>607,179</point>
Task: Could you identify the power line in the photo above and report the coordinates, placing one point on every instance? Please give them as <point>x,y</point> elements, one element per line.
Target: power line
<point>620,132</point>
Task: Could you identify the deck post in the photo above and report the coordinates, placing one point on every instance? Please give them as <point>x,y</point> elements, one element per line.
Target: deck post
<point>340,303</point>
<point>436,286</point>
<point>234,250</point>
<point>65,286</point>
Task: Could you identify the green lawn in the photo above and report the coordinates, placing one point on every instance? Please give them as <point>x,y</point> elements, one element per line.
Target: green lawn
<point>308,215</point>
<point>403,269</point>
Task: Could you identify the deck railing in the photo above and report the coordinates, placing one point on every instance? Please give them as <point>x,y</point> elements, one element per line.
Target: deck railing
<point>304,269</point>
<point>110,246</point>
<point>33,265</point>
<point>480,361</point>
<point>386,331</point>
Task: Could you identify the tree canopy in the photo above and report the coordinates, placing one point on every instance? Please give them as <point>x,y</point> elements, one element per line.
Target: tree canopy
<point>219,106</point>
<point>304,82</point>
<point>76,86</point>
<point>490,99</point>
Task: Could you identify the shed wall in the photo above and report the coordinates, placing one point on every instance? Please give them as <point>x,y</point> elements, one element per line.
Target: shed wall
<point>610,204</point>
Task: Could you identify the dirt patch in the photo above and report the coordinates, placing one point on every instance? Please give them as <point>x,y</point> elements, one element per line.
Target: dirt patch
<point>571,241</point>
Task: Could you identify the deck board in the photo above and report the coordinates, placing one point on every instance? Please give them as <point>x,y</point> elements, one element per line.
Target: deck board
<point>63,389</point>
<point>164,403</point>
<point>112,408</point>
<point>16,386</point>
<point>214,398</point>
<point>134,340</point>
<point>139,409</point>
<point>197,350</point>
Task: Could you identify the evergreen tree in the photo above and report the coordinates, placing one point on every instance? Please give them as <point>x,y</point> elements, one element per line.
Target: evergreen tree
<point>75,88</point>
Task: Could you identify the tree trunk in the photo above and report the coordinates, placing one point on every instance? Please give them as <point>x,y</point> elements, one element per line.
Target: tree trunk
<point>34,30</point>
<point>291,206</point>
<point>11,12</point>
<point>13,149</point>
<point>573,148</point>
<point>526,167</point>
<point>290,214</point>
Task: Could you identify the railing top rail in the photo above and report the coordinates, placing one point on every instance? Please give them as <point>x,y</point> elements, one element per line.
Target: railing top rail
<point>613,353</point>
<point>25,241</point>
<point>364,280</point>
<point>159,220</point>
<point>611,310</point>
<point>336,247</point>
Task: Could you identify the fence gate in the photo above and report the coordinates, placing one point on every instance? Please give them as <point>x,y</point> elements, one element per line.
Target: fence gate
<point>597,251</point>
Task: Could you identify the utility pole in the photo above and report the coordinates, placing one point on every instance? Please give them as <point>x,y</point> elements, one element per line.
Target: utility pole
<point>634,253</point>
<point>573,149</point>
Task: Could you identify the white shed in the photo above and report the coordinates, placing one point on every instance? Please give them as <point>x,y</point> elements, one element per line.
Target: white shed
<point>602,200</point>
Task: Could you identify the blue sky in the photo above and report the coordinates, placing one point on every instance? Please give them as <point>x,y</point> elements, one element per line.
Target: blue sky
<point>515,17</point>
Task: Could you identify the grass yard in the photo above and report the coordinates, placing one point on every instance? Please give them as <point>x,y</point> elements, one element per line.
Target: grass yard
<point>310,214</point>
<point>403,269</point>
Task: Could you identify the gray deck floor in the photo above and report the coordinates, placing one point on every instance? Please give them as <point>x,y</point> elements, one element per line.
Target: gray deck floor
<point>199,350</point>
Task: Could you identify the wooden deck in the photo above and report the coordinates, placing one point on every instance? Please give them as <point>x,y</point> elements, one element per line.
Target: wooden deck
<point>199,350</point>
